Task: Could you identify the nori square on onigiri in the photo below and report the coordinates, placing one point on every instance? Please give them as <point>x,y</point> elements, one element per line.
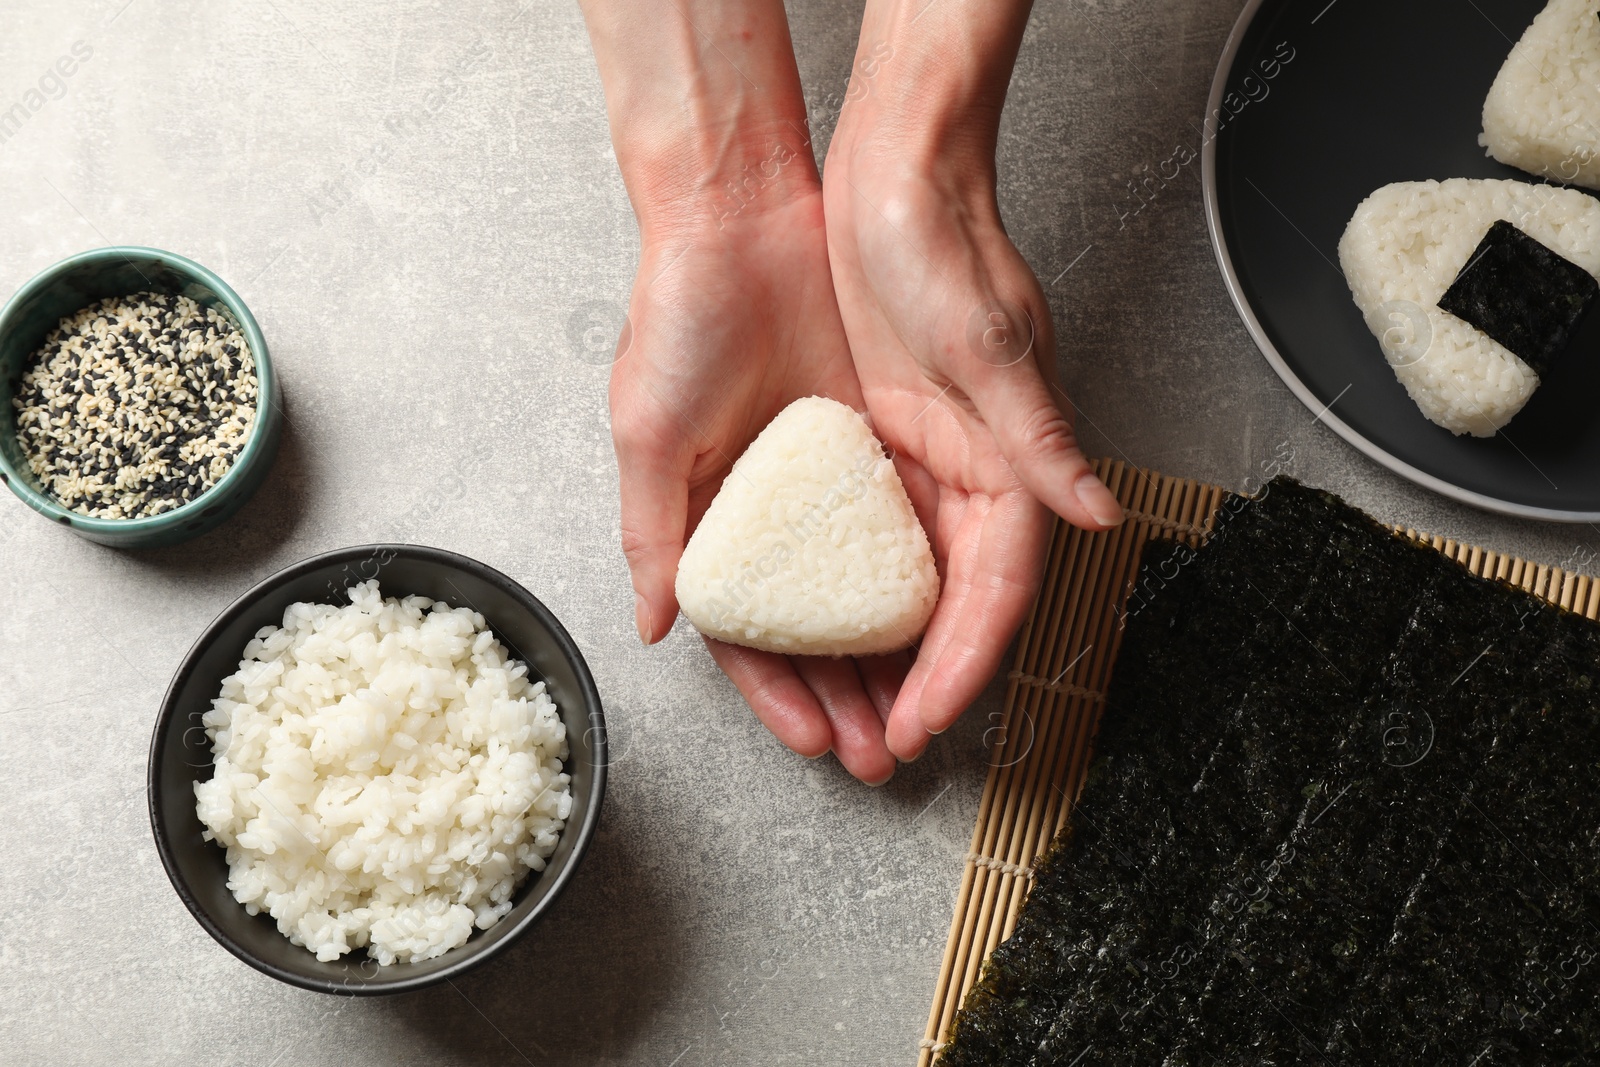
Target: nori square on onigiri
<point>1339,814</point>
<point>1528,297</point>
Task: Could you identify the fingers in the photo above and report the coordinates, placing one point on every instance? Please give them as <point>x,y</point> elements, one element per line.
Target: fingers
<point>1033,432</point>
<point>813,703</point>
<point>653,467</point>
<point>882,677</point>
<point>992,577</point>
<point>904,733</point>
<point>857,727</point>
<point>773,689</point>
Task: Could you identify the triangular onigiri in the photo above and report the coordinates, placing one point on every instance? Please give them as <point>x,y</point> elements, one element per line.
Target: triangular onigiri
<point>1543,112</point>
<point>811,546</point>
<point>1405,246</point>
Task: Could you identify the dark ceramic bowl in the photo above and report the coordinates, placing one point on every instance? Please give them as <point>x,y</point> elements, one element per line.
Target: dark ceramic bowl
<point>74,284</point>
<point>180,756</point>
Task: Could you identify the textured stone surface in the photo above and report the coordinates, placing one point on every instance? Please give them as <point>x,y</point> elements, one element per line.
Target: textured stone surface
<point>424,268</point>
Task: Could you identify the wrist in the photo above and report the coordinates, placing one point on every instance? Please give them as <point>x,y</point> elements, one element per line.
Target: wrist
<point>927,89</point>
<point>699,171</point>
<point>705,105</point>
<point>886,142</point>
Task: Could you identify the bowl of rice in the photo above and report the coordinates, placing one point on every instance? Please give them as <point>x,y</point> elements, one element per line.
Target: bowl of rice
<point>377,769</point>
<point>138,403</point>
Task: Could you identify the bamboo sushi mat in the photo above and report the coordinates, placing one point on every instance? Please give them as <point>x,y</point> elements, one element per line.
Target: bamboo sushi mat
<point>1065,653</point>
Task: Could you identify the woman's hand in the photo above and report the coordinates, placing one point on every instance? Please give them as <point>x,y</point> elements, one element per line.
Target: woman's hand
<point>951,337</point>
<point>734,314</point>
<point>729,325</point>
<point>732,317</point>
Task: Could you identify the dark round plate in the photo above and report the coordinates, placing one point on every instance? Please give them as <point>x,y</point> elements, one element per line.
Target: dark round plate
<point>180,756</point>
<point>1316,105</point>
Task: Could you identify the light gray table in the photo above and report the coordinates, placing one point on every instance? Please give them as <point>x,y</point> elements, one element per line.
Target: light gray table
<point>419,202</point>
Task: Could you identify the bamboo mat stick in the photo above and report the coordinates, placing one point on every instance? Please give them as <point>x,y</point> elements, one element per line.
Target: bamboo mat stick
<point>1066,651</point>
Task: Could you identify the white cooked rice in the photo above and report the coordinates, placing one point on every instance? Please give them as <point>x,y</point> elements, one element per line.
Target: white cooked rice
<point>385,775</point>
<point>811,546</point>
<point>1403,249</point>
<point>1542,114</point>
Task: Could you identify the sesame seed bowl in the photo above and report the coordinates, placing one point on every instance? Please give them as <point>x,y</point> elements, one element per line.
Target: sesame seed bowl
<point>138,403</point>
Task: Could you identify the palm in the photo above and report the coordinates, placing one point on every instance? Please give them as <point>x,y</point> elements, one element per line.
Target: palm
<point>727,328</point>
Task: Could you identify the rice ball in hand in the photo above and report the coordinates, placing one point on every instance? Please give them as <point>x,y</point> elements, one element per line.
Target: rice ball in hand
<point>811,547</point>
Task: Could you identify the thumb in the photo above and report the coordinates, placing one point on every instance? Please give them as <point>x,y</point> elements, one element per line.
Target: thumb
<point>1008,345</point>
<point>653,466</point>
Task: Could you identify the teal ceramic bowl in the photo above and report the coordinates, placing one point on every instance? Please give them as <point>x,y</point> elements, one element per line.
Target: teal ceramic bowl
<point>82,280</point>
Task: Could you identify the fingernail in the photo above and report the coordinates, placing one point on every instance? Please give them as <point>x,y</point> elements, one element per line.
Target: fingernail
<point>641,617</point>
<point>1098,501</point>
<point>881,781</point>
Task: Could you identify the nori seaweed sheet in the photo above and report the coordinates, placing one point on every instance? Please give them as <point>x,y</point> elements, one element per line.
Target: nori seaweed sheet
<point>1110,867</point>
<point>1255,792</point>
<point>1525,295</point>
<point>1340,812</point>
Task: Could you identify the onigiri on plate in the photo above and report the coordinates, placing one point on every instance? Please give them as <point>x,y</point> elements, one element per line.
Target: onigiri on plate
<point>1473,288</point>
<point>811,546</point>
<point>1542,114</point>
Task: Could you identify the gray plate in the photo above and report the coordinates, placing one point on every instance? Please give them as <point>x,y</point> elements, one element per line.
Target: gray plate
<point>1345,97</point>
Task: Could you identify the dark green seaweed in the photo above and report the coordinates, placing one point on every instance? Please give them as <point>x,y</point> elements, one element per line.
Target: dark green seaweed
<point>1125,831</point>
<point>1339,813</point>
<point>1528,297</point>
<point>1420,736</point>
<point>1107,867</point>
<point>1242,811</point>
